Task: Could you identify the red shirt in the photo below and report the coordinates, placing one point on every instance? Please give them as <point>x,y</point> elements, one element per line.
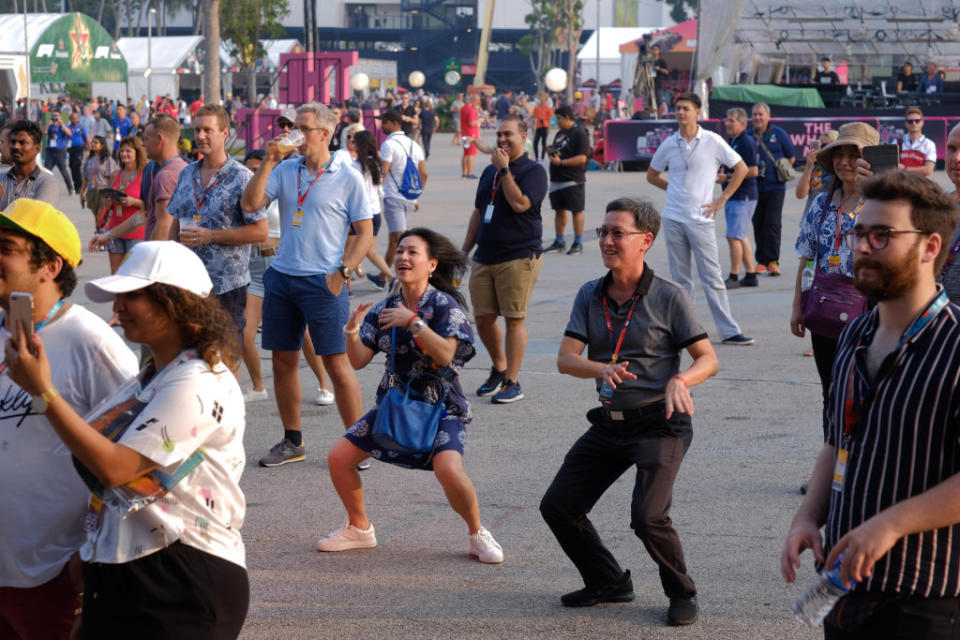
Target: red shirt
<point>194,107</point>
<point>467,115</point>
<point>120,214</point>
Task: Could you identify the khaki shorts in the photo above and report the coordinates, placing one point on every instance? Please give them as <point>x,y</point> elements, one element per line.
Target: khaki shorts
<point>503,289</point>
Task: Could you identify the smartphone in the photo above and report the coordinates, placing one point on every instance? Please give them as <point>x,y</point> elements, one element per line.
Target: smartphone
<point>882,158</point>
<point>815,145</point>
<point>21,308</point>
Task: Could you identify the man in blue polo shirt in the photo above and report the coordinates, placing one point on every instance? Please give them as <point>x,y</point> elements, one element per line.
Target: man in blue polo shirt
<point>319,197</point>
<point>773,143</point>
<point>78,144</point>
<point>506,228</point>
<point>58,135</point>
<point>739,208</point>
<point>122,127</point>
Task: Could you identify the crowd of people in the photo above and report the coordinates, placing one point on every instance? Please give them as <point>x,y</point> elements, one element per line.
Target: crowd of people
<point>203,253</point>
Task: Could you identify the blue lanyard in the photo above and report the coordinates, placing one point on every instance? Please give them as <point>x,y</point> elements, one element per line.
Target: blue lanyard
<point>54,310</point>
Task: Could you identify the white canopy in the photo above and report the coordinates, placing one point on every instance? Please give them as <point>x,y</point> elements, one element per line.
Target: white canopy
<point>167,52</point>
<point>11,29</point>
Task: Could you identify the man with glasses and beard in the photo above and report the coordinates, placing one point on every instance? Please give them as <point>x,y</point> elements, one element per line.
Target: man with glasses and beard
<point>635,327</point>
<point>886,485</point>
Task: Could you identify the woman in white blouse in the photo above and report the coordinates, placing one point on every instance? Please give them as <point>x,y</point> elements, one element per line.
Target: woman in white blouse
<point>162,457</point>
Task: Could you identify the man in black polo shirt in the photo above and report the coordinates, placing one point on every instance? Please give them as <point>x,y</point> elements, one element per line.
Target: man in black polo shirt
<point>569,155</point>
<point>506,229</point>
<point>886,483</point>
<point>635,327</point>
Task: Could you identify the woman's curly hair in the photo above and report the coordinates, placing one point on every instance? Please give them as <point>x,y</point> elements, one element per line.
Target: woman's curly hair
<point>204,324</point>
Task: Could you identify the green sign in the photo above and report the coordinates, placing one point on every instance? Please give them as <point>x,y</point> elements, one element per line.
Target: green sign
<point>451,64</point>
<point>76,49</point>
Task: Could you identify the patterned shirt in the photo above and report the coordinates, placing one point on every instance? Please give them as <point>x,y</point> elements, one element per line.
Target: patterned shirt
<point>819,236</point>
<point>218,206</point>
<point>444,316</point>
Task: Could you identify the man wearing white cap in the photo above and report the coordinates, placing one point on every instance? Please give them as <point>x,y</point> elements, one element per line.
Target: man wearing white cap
<point>43,499</point>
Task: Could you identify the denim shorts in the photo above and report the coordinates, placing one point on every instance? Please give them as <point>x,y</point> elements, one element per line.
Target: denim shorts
<point>292,303</point>
<point>123,246</point>
<point>258,266</point>
<point>739,214</point>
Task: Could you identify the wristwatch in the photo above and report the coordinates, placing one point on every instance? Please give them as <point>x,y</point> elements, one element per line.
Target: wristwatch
<point>40,403</point>
<point>417,326</point>
<point>345,271</point>
<point>504,171</point>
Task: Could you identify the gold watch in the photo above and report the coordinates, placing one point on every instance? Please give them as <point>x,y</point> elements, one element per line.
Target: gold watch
<point>41,403</point>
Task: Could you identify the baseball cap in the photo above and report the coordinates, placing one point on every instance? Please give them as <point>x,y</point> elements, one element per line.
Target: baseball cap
<point>391,116</point>
<point>156,261</point>
<point>290,115</point>
<point>44,221</point>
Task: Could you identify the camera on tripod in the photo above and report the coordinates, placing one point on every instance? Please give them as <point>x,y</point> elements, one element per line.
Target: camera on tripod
<point>643,49</point>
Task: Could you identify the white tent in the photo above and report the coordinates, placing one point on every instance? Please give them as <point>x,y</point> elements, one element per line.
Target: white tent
<point>168,55</point>
<point>610,39</point>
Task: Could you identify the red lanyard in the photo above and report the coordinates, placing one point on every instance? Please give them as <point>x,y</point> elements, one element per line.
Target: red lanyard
<point>496,186</point>
<point>623,331</point>
<point>856,210</point>
<point>201,197</point>
<point>415,310</point>
<point>301,198</point>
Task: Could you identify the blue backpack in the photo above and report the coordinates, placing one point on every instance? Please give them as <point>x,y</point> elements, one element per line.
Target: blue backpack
<point>410,186</point>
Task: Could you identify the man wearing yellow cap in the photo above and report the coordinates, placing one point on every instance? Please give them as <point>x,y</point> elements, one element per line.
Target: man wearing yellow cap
<point>43,500</point>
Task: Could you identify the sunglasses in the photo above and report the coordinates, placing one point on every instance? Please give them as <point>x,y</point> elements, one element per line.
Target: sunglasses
<point>284,125</point>
<point>914,120</point>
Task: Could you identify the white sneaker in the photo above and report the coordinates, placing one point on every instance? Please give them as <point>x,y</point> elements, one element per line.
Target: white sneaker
<point>324,398</point>
<point>255,396</point>
<point>348,537</point>
<point>485,547</point>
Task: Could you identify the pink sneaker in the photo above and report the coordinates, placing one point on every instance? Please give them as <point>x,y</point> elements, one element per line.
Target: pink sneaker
<point>348,537</point>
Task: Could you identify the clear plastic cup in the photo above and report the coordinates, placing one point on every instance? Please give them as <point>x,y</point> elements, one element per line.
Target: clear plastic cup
<point>290,142</point>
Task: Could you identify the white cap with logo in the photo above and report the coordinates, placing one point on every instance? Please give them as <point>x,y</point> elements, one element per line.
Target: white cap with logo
<point>164,262</point>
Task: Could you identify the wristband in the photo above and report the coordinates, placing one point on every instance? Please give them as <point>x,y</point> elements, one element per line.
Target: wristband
<point>412,319</point>
<point>680,378</point>
<point>350,332</point>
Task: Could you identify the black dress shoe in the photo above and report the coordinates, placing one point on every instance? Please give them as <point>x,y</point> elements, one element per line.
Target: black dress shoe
<point>683,611</point>
<point>588,596</point>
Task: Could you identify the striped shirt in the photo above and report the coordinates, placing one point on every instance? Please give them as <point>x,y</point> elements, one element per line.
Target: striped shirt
<point>905,443</point>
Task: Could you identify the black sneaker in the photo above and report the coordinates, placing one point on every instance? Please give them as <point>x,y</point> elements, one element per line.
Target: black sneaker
<point>575,248</point>
<point>750,280</point>
<point>494,382</point>
<point>588,596</point>
<point>683,611</point>
<point>732,282</point>
<point>556,247</point>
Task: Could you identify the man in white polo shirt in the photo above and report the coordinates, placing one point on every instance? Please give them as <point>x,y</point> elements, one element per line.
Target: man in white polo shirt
<point>693,157</point>
<point>918,153</point>
<point>319,197</point>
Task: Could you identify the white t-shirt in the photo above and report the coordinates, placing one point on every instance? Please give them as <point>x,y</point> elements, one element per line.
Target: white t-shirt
<point>189,406</point>
<point>43,500</point>
<point>373,191</point>
<point>917,153</point>
<point>395,150</point>
<point>693,172</point>
<point>273,219</point>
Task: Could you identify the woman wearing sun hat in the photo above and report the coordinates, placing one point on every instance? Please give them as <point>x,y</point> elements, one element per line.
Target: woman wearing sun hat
<point>821,231</point>
<point>162,457</point>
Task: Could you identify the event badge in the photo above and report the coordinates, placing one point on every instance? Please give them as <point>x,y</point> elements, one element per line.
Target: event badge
<point>297,218</point>
<point>197,218</point>
<point>53,142</point>
<point>488,213</point>
<point>91,521</point>
<point>834,263</point>
<point>606,391</point>
<point>840,470</point>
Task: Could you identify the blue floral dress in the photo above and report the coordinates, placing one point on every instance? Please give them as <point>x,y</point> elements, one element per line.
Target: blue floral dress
<point>445,317</point>
<point>819,235</point>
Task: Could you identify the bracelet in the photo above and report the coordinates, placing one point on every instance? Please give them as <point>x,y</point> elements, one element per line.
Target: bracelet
<point>680,378</point>
<point>412,319</point>
<point>350,332</point>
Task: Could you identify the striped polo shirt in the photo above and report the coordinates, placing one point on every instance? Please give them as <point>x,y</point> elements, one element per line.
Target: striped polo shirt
<point>906,441</point>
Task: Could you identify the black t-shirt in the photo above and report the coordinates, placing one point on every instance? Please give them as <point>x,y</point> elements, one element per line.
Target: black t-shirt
<point>428,119</point>
<point>411,112</point>
<point>661,71</point>
<point>829,77</point>
<point>907,82</point>
<point>569,143</point>
<point>510,235</point>
<point>335,137</point>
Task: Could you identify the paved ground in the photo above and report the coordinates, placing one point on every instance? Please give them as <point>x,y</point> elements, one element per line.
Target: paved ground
<point>756,434</point>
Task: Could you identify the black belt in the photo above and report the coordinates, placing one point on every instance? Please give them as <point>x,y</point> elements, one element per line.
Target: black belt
<point>628,415</point>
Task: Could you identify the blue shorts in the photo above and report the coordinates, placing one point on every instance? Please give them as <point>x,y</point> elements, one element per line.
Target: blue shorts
<point>123,246</point>
<point>292,303</point>
<point>739,214</point>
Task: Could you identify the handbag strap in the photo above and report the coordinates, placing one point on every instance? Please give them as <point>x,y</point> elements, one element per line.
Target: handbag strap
<point>765,150</point>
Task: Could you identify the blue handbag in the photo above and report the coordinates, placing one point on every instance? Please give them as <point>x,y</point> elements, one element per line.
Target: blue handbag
<point>405,421</point>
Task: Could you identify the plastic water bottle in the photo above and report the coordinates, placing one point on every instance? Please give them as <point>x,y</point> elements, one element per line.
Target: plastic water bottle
<point>806,278</point>
<point>814,605</point>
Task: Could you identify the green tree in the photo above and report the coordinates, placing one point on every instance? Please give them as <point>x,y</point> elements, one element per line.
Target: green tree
<point>682,10</point>
<point>543,20</point>
<point>243,23</point>
<point>571,12</point>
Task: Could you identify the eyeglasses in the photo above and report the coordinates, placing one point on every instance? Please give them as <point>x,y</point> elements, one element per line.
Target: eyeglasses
<point>876,238</point>
<point>308,129</point>
<point>914,120</point>
<point>618,234</point>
